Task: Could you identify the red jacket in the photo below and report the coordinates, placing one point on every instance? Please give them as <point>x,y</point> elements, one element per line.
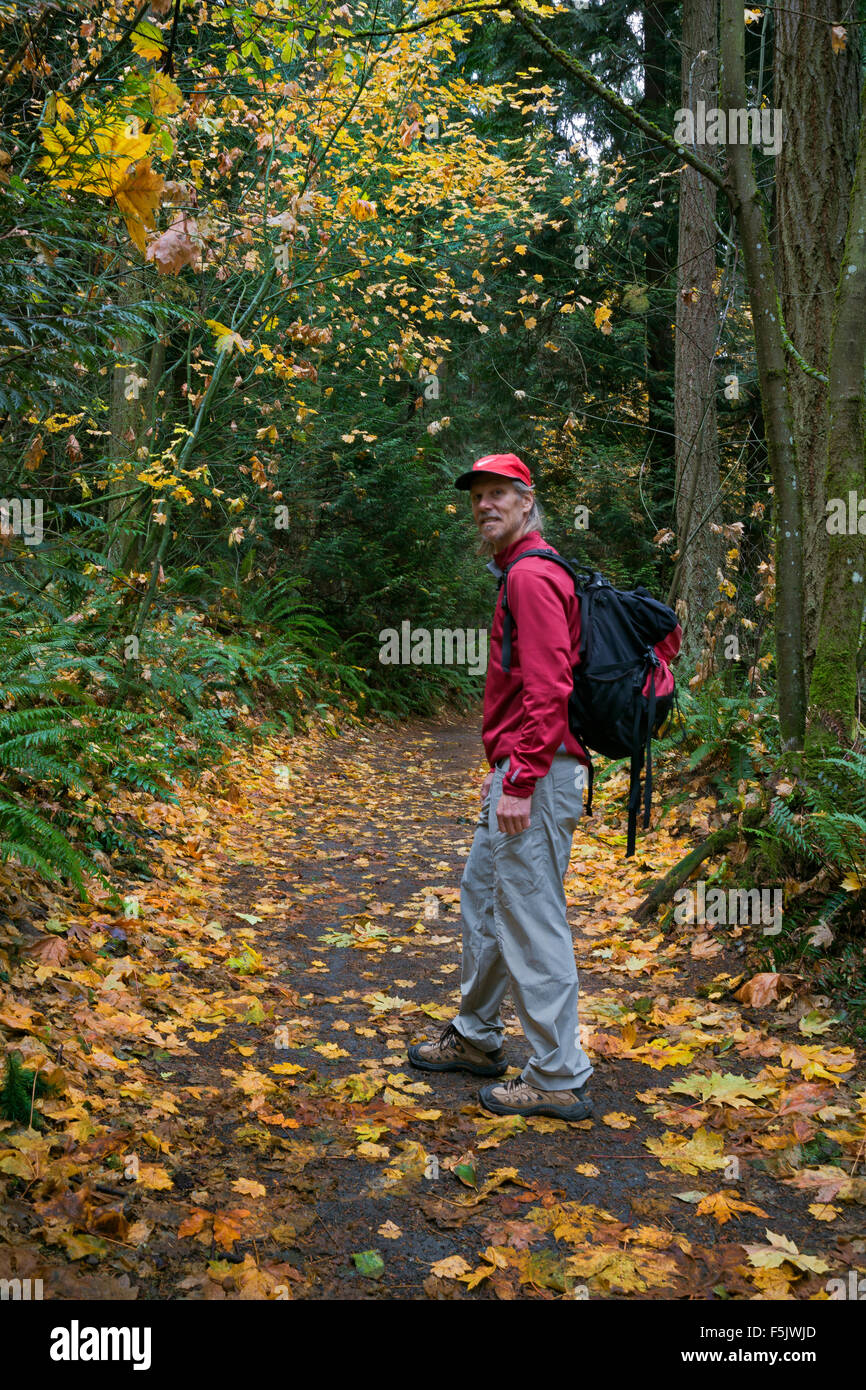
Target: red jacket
<point>526,709</point>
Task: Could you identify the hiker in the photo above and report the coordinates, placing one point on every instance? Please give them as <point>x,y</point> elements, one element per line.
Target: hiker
<point>512,900</point>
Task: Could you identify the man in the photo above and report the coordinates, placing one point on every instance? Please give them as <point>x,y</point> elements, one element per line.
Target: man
<point>515,931</point>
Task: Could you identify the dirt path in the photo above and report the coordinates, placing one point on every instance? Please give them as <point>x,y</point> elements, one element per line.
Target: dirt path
<point>235,1116</point>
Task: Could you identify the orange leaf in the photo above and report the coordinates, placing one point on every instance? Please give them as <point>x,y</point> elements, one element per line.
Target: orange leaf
<point>138,197</point>
<point>227,1226</point>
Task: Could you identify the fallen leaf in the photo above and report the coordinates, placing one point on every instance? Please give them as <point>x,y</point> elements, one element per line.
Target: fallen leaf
<point>369,1263</point>
<point>248,1187</point>
<point>450,1268</point>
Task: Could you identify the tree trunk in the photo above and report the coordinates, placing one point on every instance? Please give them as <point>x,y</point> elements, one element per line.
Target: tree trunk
<point>701,550</point>
<point>132,400</point>
<point>657,235</point>
<point>773,379</point>
<point>741,189</point>
<point>814,171</point>
<point>833,691</point>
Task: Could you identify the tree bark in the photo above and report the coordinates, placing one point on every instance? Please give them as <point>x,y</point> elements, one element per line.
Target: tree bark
<point>814,172</point>
<point>773,379</point>
<point>833,690</point>
<point>698,503</point>
<point>657,235</point>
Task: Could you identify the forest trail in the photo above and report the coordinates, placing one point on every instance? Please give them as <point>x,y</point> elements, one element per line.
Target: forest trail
<point>234,1115</point>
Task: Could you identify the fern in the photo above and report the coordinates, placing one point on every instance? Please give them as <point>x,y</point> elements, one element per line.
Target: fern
<point>20,1089</point>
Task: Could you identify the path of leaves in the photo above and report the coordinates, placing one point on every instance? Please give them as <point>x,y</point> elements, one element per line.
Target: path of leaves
<point>232,1114</point>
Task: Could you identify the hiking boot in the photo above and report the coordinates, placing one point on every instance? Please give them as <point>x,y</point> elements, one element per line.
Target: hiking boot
<point>517,1097</point>
<point>452,1052</point>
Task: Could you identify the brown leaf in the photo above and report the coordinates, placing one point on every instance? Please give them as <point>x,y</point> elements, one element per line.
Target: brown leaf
<point>804,1098</point>
<point>49,950</point>
<point>173,249</point>
<point>760,990</point>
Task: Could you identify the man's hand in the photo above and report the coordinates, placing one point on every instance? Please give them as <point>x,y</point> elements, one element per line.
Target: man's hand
<point>485,785</point>
<point>512,813</point>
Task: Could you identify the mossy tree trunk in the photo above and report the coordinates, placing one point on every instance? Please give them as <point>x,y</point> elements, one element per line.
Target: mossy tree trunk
<point>833,689</point>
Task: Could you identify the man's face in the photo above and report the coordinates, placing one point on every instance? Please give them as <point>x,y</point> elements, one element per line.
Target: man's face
<point>499,510</point>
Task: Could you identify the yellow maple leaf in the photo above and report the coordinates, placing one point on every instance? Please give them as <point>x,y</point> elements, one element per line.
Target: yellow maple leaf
<point>370,1129</point>
<point>147,41</point>
<point>367,1149</point>
<point>450,1268</point>
<point>701,1153</point>
<point>773,1283</point>
<point>633,1272</point>
<point>724,1205</point>
<point>165,95</point>
<point>475,1276</point>
<point>824,1211</point>
<point>95,157</point>
<point>154,1177</point>
<point>226,341</point>
<point>248,1187</point>
<point>660,1053</point>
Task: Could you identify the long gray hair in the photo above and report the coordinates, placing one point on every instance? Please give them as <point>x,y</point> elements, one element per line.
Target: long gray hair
<point>534,521</point>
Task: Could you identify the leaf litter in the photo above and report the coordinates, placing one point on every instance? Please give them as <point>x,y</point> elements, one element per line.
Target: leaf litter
<point>225,1109</point>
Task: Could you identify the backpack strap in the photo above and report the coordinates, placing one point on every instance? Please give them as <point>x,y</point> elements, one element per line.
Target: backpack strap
<point>638,753</point>
<point>507,621</point>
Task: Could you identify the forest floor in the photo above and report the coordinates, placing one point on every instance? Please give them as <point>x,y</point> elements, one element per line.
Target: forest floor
<point>233,1114</point>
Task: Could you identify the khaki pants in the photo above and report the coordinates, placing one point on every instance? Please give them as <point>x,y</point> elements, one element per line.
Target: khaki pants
<point>515,931</point>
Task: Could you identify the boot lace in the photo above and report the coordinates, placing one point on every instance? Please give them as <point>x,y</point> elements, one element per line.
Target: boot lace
<point>448,1035</point>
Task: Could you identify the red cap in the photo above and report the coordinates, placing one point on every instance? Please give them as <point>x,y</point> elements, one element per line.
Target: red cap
<point>501,465</point>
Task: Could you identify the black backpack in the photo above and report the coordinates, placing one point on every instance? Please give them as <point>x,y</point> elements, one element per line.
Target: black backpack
<point>607,710</point>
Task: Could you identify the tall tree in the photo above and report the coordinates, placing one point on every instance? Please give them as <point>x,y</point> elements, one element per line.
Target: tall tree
<point>697,451</point>
<point>814,172</point>
<point>658,233</point>
<point>834,688</point>
<point>741,188</point>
